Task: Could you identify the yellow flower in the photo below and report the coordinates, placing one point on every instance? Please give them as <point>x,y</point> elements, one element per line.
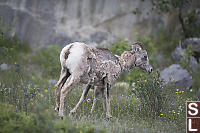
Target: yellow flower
<point>88,100</point>
<point>15,62</point>
<point>91,90</point>
<point>41,95</point>
<point>46,90</point>
<point>181,92</point>
<point>177,92</point>
<point>144,81</point>
<point>81,131</point>
<point>133,89</point>
<point>161,114</point>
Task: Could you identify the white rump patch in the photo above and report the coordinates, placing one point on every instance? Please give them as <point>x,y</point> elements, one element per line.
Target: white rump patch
<point>75,56</point>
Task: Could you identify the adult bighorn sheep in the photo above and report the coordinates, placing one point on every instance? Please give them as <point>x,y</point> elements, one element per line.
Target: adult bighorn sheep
<point>81,63</point>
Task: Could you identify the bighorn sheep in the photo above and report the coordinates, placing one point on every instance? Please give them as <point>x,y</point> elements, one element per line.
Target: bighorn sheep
<point>81,63</point>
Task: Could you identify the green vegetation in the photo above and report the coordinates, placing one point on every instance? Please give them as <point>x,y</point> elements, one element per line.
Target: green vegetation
<point>48,60</point>
<point>119,47</point>
<point>185,60</point>
<point>42,120</point>
<point>187,18</point>
<point>10,48</point>
<point>27,95</point>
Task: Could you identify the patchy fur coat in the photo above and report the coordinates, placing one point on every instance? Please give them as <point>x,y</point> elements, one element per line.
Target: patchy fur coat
<point>93,64</point>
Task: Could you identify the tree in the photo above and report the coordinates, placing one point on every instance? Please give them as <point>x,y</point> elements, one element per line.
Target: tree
<point>181,6</point>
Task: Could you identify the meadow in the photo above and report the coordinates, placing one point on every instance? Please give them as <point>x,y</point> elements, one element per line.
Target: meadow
<point>27,96</point>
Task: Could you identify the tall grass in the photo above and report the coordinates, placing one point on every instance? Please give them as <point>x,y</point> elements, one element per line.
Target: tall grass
<point>27,97</point>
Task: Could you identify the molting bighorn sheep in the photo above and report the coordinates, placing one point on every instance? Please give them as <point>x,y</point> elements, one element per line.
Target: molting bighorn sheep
<point>81,63</point>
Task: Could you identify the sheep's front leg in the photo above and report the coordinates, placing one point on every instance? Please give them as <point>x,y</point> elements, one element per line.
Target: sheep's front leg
<point>108,109</point>
<point>63,77</point>
<point>96,93</point>
<point>103,100</point>
<point>70,83</point>
<point>83,97</point>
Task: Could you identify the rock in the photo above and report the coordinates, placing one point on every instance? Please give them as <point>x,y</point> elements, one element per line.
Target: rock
<point>193,64</point>
<point>195,42</point>
<point>177,54</point>
<point>44,22</point>
<point>94,36</point>
<point>175,73</point>
<point>4,66</point>
<point>62,39</point>
<point>98,37</point>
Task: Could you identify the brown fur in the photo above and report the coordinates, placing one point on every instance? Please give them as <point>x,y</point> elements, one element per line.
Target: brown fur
<point>67,52</point>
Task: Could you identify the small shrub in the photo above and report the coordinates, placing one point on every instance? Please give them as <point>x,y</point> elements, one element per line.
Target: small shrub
<point>158,101</point>
<point>185,60</point>
<point>119,47</point>
<point>148,89</point>
<point>192,24</point>
<point>11,49</point>
<point>43,120</point>
<point>10,121</point>
<point>48,60</point>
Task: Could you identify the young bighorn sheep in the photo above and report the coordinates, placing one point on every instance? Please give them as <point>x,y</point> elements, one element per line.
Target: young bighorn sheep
<point>81,63</point>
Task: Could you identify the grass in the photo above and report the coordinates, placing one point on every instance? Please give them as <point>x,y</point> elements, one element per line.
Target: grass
<point>27,98</point>
<point>128,109</point>
<point>27,92</point>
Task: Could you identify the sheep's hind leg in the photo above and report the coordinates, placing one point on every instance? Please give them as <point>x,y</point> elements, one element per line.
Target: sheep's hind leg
<point>83,97</point>
<point>63,77</point>
<point>107,87</point>
<point>69,84</point>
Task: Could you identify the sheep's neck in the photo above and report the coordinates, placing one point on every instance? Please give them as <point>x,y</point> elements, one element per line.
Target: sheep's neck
<point>126,63</point>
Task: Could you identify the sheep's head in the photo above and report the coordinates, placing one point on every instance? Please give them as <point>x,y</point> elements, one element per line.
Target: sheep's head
<point>141,57</point>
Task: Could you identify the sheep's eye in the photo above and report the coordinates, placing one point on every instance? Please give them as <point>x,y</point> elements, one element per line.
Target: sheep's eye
<point>137,49</point>
<point>145,57</point>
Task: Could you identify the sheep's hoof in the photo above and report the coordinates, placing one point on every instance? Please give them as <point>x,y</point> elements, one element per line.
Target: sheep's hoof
<point>61,115</point>
<point>72,113</point>
<point>108,115</point>
<point>91,112</point>
<point>56,109</point>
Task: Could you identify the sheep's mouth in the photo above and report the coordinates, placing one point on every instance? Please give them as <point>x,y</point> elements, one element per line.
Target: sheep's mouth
<point>149,70</point>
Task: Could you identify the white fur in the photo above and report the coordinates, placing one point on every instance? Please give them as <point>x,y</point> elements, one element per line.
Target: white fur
<point>75,56</point>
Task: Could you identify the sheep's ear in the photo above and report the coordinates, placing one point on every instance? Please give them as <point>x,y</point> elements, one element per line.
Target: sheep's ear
<point>135,48</point>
